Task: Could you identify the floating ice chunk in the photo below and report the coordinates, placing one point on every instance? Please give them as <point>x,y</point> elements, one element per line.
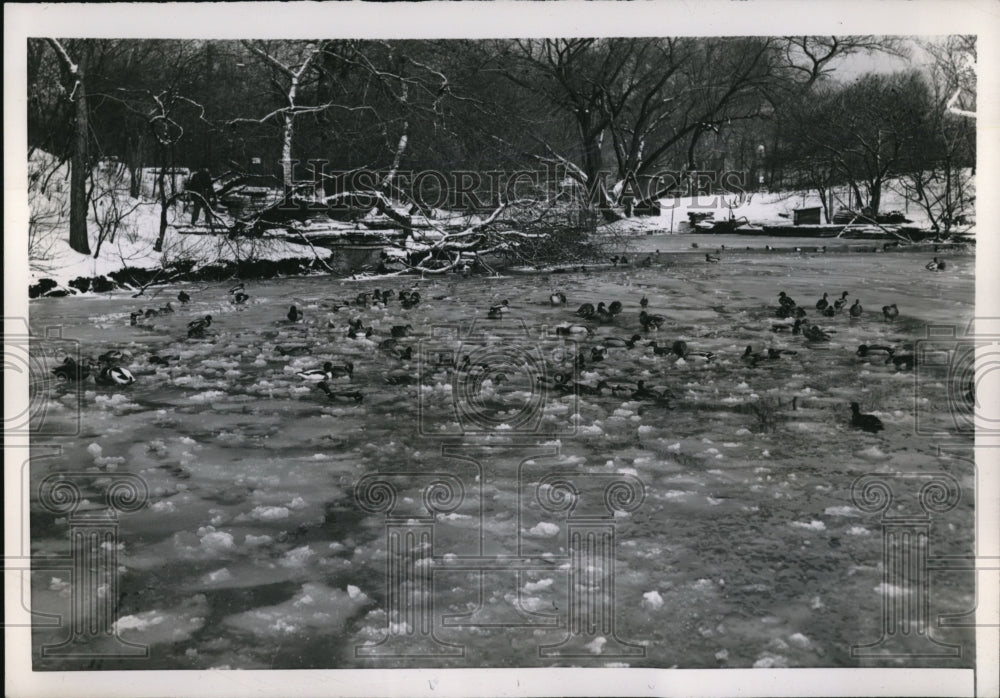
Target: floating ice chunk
<point>542,584</point>
<point>813,525</point>
<point>858,531</point>
<point>544,529</point>
<point>164,506</point>
<point>652,600</point>
<point>296,558</point>
<point>800,641</point>
<point>841,511</point>
<point>597,646</point>
<point>354,592</point>
<point>255,541</point>
<point>215,541</point>
<point>95,450</point>
<point>221,575</point>
<point>297,503</point>
<point>265,513</point>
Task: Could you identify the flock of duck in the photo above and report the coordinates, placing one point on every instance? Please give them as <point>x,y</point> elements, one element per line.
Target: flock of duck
<point>793,318</point>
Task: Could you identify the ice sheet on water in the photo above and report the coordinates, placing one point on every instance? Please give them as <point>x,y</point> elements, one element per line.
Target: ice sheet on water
<point>316,610</point>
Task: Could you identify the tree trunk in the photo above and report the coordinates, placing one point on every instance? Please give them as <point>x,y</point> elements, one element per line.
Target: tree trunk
<point>78,239</point>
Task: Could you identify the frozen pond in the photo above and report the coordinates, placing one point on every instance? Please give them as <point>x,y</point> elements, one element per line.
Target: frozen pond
<point>747,549</point>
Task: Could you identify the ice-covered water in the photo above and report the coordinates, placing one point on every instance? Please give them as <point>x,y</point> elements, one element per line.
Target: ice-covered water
<point>747,550</point>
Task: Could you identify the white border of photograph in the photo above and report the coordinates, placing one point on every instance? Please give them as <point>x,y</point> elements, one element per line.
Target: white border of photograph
<point>483,20</point>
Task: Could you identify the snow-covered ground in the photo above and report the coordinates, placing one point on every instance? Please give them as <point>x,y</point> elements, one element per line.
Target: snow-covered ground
<point>747,550</point>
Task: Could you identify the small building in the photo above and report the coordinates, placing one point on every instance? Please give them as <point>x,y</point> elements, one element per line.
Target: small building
<point>807,216</point>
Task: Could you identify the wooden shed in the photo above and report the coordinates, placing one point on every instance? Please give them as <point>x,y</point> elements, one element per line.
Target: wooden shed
<point>807,216</point>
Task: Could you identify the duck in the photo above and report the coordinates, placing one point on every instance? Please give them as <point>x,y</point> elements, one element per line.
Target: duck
<point>183,298</point>
<point>681,350</point>
<point>823,303</point>
<point>151,312</point>
<point>70,370</point>
<point>615,307</point>
<point>856,309</point>
<point>240,298</point>
<point>341,395</point>
<point>572,329</point>
<point>840,302</point>
<point>196,328</point>
<point>865,422</point>
<point>750,357</point>
<point>647,262</point>
<point>815,334</point>
<point>603,315</point>
<point>890,312</point>
<point>586,310</point>
<point>339,370</point>
<point>115,375</point>
<point>495,313</point>
<point>660,351</point>
<point>557,298</point>
<point>866,349</point>
<point>785,300</point>
<point>359,331</point>
<point>774,354</point>
<point>903,362</point>
<point>651,321</point>
<point>598,353</point>
<point>711,259</point>
<point>168,308</point>
<point>935,265</point>
<point>399,331</point>
<point>409,300</point>
<point>400,377</point>
<point>401,353</point>
<point>236,289</point>
<point>828,311</point>
<point>157,360</point>
<point>644,302</point>
<point>643,392</point>
<point>619,342</point>
<point>112,357</point>
<point>134,318</point>
<point>317,374</point>
<point>294,314</point>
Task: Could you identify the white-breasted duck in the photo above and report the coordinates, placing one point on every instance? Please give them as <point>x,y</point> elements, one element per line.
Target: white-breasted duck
<point>565,330</point>
<point>865,422</point>
<point>114,375</point>
<point>840,302</point>
<point>317,374</point>
<point>619,342</point>
<point>711,259</point>
<point>557,298</point>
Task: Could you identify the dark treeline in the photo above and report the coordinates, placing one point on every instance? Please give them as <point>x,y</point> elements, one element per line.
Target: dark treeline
<point>601,110</point>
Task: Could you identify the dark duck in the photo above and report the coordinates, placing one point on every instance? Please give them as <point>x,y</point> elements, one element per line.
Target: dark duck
<point>865,422</point>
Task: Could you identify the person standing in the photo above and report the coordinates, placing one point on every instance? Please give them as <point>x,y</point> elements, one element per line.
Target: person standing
<point>203,189</point>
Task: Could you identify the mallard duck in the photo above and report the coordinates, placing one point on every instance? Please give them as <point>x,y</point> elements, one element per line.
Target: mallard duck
<point>602,315</point>
<point>572,329</point>
<point>401,353</point>
<point>151,312</point>
<point>644,302</point>
<point>856,309</point>
<point>785,300</point>
<point>341,395</point>
<point>598,353</point>
<point>134,318</point>
<point>935,265</point>
<point>410,300</point>
<point>317,374</point>
<point>866,349</point>
<point>586,310</point>
<point>115,375</point>
<point>619,342</point>
<point>168,308</point>
<point>495,313</point>
<point>648,321</point>
<point>70,370</point>
<point>840,302</point>
<point>823,303</point>
<point>814,334</point>
<point>400,377</point>
<point>865,422</point>
<point>363,299</point>
<point>903,362</point>
<point>681,350</point>
<point>240,298</point>
<point>158,360</point>
<point>196,328</point>
<point>828,311</point>
<point>643,392</point>
<point>112,357</point>
<point>360,332</point>
<point>399,331</point>
<point>774,354</point>
<point>183,298</point>
<point>557,298</point>
<point>711,259</point>
<point>750,358</point>
<point>615,307</point>
<point>294,314</point>
<point>890,312</point>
